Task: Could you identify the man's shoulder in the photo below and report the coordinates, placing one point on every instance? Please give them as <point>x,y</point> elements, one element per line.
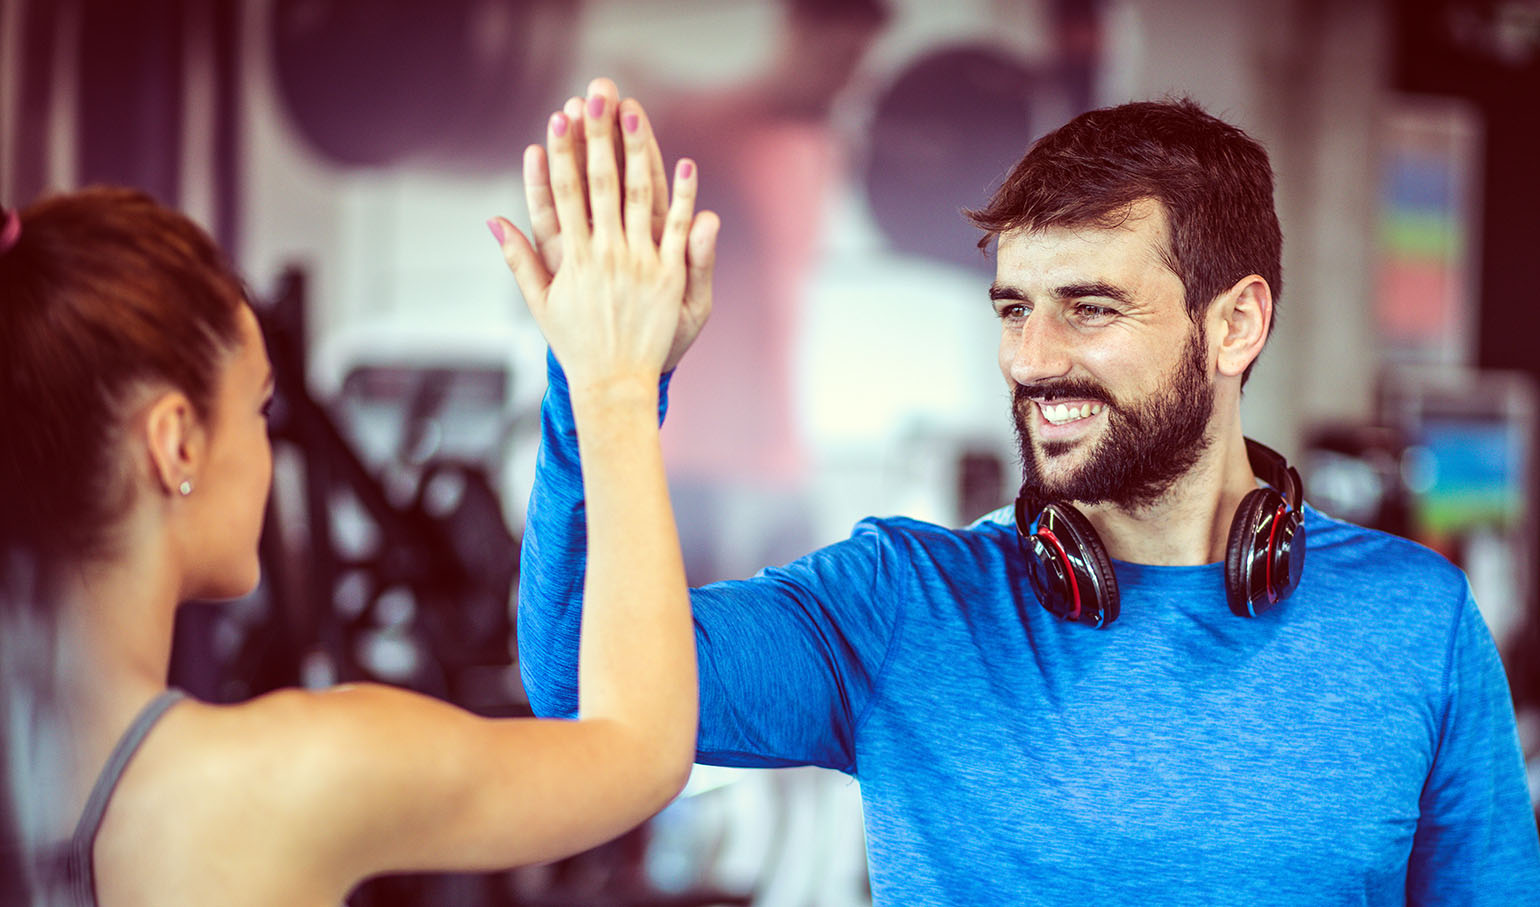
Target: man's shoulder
<point>1373,562</point>
<point>987,531</point>
<point>922,546</point>
<point>1337,538</point>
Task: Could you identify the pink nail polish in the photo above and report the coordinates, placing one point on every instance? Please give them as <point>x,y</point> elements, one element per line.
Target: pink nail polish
<point>558,124</point>
<point>686,169</point>
<point>497,230</point>
<point>631,122</point>
<point>596,106</point>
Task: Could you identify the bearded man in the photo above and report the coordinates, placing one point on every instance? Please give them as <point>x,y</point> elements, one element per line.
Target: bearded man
<point>1133,687</point>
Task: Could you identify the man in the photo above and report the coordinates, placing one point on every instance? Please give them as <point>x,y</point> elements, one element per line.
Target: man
<point>1351,743</point>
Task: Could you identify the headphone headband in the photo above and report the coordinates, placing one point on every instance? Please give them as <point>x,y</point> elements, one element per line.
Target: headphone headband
<point>1266,464</point>
<point>1270,466</point>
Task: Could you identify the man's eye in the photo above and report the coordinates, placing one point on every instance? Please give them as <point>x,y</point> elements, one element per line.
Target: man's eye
<point>1094,313</point>
<point>1014,312</point>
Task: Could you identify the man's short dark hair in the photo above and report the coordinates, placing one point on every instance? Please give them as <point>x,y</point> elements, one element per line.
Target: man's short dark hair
<point>1213,180</point>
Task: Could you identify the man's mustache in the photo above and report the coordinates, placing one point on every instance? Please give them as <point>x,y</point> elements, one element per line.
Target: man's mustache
<point>1060,389</point>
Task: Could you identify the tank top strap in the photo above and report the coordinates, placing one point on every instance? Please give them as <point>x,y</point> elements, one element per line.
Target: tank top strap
<point>82,870</point>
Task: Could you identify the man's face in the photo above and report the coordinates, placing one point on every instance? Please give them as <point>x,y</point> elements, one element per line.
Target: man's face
<point>1112,393</point>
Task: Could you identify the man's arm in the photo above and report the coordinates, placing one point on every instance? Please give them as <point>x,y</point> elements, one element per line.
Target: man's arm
<point>1476,841</point>
<point>788,660</point>
<point>552,560</point>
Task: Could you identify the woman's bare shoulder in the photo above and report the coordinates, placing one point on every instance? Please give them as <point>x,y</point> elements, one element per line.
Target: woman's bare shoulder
<point>228,798</point>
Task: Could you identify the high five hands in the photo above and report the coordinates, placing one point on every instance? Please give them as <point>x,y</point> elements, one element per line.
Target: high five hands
<point>619,286</point>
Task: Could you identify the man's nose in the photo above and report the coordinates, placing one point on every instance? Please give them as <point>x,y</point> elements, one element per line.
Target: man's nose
<point>1041,351</point>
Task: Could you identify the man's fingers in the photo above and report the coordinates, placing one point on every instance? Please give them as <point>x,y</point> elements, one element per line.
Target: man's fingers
<point>638,184</point>
<point>681,211</point>
<point>603,176</point>
<point>659,177</point>
<point>573,110</point>
<point>566,182</point>
<point>544,227</point>
<point>523,261</point>
<point>701,259</point>
<point>604,86</point>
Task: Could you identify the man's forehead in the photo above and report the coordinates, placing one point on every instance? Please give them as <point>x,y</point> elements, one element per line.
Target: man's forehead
<point>1134,242</point>
<point>1146,216</point>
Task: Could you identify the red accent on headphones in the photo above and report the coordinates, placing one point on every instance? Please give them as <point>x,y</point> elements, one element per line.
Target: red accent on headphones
<point>1074,584</point>
<point>1272,541</point>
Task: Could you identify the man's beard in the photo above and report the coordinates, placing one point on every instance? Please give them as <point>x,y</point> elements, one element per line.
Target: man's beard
<point>1145,448</point>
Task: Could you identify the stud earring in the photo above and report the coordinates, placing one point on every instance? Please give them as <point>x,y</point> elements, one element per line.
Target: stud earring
<point>185,488</point>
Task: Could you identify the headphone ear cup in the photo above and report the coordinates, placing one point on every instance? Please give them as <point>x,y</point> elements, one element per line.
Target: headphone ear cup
<point>1084,546</point>
<point>1245,560</point>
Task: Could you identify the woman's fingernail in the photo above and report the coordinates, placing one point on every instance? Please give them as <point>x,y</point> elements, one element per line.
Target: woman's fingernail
<point>558,124</point>
<point>497,230</point>
<point>631,122</point>
<point>596,106</point>
<point>686,169</point>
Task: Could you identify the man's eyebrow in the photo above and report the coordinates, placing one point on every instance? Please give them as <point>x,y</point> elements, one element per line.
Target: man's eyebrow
<point>1095,289</point>
<point>1000,291</point>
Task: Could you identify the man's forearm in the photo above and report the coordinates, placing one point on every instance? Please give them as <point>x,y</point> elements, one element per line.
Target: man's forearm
<point>553,559</point>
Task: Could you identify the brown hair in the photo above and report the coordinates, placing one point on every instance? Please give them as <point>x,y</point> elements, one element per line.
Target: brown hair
<point>1213,180</point>
<point>104,293</point>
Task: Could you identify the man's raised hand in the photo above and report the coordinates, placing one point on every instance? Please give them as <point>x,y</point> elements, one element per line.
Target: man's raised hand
<point>546,226</point>
<point>615,305</point>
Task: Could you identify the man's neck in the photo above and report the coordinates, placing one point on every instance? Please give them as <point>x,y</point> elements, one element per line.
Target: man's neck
<point>1190,524</point>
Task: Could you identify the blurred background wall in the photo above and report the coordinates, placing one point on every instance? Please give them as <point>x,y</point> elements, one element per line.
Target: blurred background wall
<point>348,152</point>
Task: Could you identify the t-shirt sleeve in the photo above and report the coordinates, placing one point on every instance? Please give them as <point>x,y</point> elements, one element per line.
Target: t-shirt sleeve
<point>551,558</point>
<point>791,659</point>
<point>788,660</point>
<point>1476,840</point>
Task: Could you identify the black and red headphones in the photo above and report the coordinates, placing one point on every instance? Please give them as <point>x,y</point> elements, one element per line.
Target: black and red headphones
<point>1072,576</point>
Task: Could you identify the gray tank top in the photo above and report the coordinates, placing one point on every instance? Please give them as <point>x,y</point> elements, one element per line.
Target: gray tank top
<point>80,870</point>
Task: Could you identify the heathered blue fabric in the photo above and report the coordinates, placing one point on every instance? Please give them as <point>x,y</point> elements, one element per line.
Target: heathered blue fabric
<point>1354,745</point>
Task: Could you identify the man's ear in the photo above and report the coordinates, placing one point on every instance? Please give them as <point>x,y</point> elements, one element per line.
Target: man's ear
<point>175,441</point>
<point>1238,322</point>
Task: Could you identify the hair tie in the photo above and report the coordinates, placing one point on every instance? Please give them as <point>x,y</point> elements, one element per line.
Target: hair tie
<point>10,231</point>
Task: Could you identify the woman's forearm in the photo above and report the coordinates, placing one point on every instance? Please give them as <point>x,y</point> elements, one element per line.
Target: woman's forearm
<point>637,664</point>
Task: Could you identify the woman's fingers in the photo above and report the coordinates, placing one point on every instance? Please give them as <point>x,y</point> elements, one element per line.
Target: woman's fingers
<point>528,270</point>
<point>566,182</point>
<point>603,176</point>
<point>681,211</point>
<point>635,132</point>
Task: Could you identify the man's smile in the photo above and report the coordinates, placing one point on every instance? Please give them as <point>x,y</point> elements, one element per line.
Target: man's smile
<point>1062,413</point>
<point>1066,420</point>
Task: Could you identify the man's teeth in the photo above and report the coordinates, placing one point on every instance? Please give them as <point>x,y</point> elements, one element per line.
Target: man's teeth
<point>1061,413</point>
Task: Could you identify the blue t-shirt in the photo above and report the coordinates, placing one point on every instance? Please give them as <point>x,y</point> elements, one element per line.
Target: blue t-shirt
<point>1354,745</point>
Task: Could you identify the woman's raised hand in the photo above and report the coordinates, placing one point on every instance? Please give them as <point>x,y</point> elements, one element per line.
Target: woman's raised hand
<point>607,277</point>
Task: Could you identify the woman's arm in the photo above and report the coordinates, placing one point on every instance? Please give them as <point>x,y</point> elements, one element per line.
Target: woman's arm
<point>392,781</point>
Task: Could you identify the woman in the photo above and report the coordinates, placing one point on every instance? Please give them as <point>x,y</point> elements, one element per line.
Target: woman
<point>134,467</point>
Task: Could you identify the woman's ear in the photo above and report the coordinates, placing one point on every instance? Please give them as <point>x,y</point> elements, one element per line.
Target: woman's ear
<point>1238,322</point>
<point>175,440</point>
